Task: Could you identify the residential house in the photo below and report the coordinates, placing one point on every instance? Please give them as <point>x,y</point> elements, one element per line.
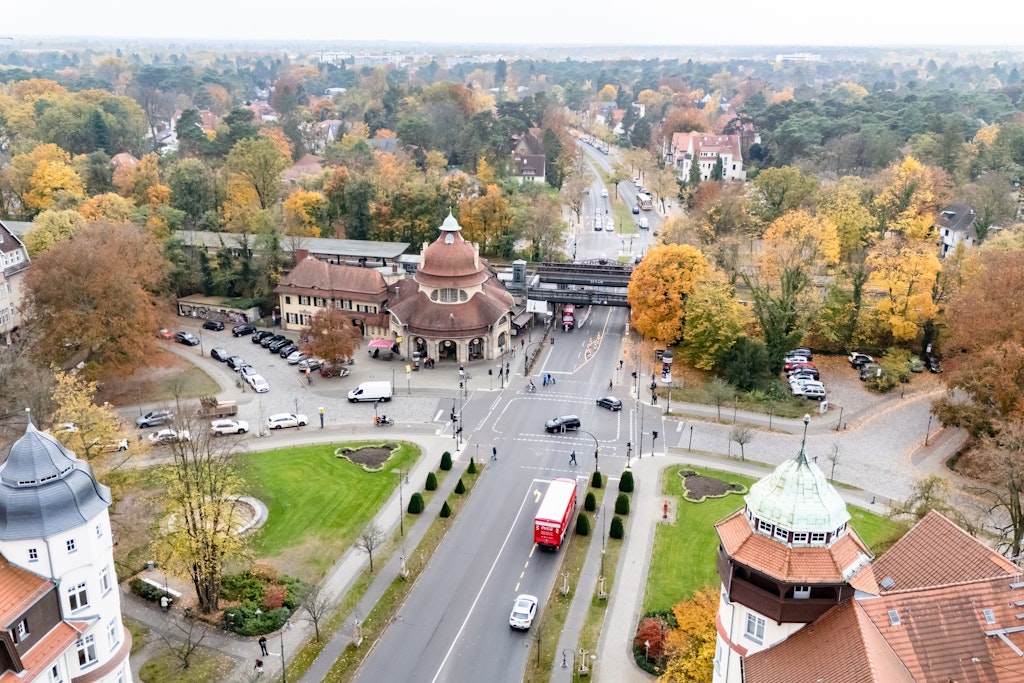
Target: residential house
<point>529,164</point>
<point>309,164</point>
<point>706,149</point>
<point>954,225</point>
<point>14,264</point>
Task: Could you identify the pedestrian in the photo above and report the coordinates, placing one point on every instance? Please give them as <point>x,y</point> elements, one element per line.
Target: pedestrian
<point>258,668</point>
<point>654,399</point>
<point>494,453</point>
<point>620,364</point>
<point>544,380</point>
<point>263,645</point>
<point>165,602</point>
<point>309,380</point>
<point>553,380</point>
<point>609,384</point>
<point>572,458</point>
<point>522,342</point>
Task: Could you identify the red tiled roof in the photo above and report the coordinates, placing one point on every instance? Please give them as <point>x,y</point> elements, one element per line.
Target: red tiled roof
<point>468,319</point>
<point>793,564</point>
<point>18,590</point>
<point>937,552</point>
<point>312,277</point>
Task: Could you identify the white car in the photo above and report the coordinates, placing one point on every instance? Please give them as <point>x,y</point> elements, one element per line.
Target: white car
<point>295,357</point>
<point>222,427</point>
<point>282,420</point>
<point>311,363</point>
<point>168,435</point>
<point>258,384</point>
<point>609,225</point>
<point>523,611</point>
<point>247,371</point>
<point>604,191</point>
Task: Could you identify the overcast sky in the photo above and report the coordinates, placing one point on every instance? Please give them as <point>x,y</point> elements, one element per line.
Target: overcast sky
<point>554,22</point>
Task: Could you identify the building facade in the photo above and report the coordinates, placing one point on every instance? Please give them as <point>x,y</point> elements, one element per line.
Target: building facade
<point>60,619</point>
<point>14,264</point>
<point>706,149</point>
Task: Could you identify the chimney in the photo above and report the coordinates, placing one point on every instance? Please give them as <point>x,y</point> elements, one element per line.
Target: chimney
<point>394,268</point>
<point>301,255</point>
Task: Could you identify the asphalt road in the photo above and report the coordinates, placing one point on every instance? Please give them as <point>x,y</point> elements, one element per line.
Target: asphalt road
<point>454,625</point>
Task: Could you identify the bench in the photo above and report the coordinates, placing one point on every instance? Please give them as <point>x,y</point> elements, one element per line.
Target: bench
<point>170,591</point>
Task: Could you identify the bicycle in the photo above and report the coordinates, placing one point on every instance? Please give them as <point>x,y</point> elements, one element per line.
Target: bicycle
<point>531,388</point>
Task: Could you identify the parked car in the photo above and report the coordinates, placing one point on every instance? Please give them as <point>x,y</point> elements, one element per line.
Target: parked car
<point>114,446</point>
<point>247,371</point>
<point>813,393</point>
<point>801,388</point>
<point>787,367</point>
<point>186,338</point>
<point>311,363</point>
<point>258,384</point>
<point>796,359</point>
<point>272,339</point>
<point>214,325</point>
<point>858,359</point>
<point>154,418</point>
<point>282,420</point>
<point>806,353</point>
<point>933,364</point>
<point>220,354</point>
<point>562,422</point>
<point>869,370</point>
<point>609,402</point>
<point>295,357</point>
<point>165,333</point>
<point>277,345</point>
<point>168,435</point>
<point>287,350</point>
<point>524,609</point>
<point>241,330</point>
<point>805,373</point>
<point>222,427</point>
<point>236,362</point>
<point>258,337</point>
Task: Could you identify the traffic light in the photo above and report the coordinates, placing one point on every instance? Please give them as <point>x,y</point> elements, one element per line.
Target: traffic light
<point>634,374</point>
<point>460,385</point>
<point>490,371</point>
<point>654,434</point>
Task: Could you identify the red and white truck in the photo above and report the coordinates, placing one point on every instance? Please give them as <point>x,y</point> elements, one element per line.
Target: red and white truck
<point>568,317</point>
<point>555,513</point>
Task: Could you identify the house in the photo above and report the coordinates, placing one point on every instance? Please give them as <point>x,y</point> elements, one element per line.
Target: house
<point>309,164</point>
<point>802,600</point>
<point>14,264</point>
<point>529,164</point>
<point>262,113</point>
<point>706,149</point>
<point>954,225</point>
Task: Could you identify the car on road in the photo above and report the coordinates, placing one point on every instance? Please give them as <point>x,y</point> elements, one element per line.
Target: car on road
<point>168,435</point>
<point>282,420</point>
<point>311,363</point>
<point>214,325</point>
<point>242,330</point>
<point>258,384</point>
<point>636,208</point>
<point>165,333</point>
<point>524,609</point>
<point>154,418</point>
<point>223,427</point>
<point>604,191</point>
<point>609,402</point>
<point>609,225</point>
<point>235,362</point>
<point>858,359</point>
<point>258,337</point>
<point>562,423</point>
<point>644,224</point>
<point>186,338</point>
<point>220,354</point>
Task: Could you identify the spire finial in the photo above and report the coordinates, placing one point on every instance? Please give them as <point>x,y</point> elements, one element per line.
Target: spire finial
<point>802,458</point>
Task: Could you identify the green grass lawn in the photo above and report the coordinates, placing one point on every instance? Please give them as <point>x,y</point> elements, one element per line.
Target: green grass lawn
<point>683,558</point>
<point>318,503</point>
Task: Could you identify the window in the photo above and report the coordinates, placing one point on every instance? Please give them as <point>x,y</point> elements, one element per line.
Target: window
<point>22,630</point>
<point>86,650</point>
<point>801,592</point>
<point>105,580</point>
<point>55,676</point>
<point>33,555</point>
<point>755,628</point>
<point>112,634</point>
<point>799,537</point>
<point>99,531</point>
<point>77,597</point>
<point>818,537</point>
<point>319,302</point>
<point>764,527</point>
<point>287,299</point>
<point>781,534</point>
<point>71,545</point>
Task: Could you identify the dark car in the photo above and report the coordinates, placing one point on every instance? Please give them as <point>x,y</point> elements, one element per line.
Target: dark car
<point>806,353</point>
<point>610,402</point>
<point>243,329</point>
<point>858,359</point>
<point>636,208</point>
<point>235,362</point>
<point>287,350</point>
<point>562,423</point>
<point>869,370</point>
<point>933,364</point>
<point>154,418</point>
<point>258,337</point>
<point>186,338</point>
<point>220,354</point>
<point>276,346</point>
<point>214,325</point>
<point>805,373</point>
<point>267,341</point>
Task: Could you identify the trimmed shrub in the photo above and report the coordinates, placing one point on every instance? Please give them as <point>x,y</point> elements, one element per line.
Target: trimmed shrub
<point>446,461</point>
<point>622,504</point>
<point>431,484</point>
<point>147,591</point>
<point>626,482</point>
<point>582,525</point>
<point>472,467</point>
<point>244,620</point>
<point>597,480</point>
<point>415,504</point>
<point>617,529</point>
<point>590,502</point>
<point>446,511</point>
<point>460,488</point>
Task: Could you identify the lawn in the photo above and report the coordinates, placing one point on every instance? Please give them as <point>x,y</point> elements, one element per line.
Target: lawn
<point>317,503</point>
<point>683,558</point>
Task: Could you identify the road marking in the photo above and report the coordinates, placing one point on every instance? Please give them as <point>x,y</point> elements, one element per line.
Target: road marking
<point>438,416</point>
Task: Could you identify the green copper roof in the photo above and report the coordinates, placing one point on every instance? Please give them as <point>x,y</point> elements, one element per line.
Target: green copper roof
<point>797,497</point>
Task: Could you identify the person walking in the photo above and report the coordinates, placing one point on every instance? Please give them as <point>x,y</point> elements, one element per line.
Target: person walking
<point>544,380</point>
<point>309,380</point>
<point>263,645</point>
<point>572,458</point>
<point>609,384</point>
<point>494,453</point>
<point>165,602</point>
<point>258,668</point>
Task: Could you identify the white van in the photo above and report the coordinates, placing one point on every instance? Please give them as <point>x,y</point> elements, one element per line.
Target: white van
<point>371,391</point>
<point>644,223</point>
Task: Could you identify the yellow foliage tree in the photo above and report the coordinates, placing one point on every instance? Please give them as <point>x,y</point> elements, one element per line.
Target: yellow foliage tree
<point>485,220</point>
<point>608,93</point>
<point>108,206</point>
<point>52,182</point>
<point>691,645</point>
<point>484,172</point>
<point>95,428</point>
<point>841,202</point>
<point>303,213</point>
<point>241,204</point>
<point>51,227</point>
<point>714,320</point>
<point>659,287</point>
<point>280,140</point>
<point>987,135</point>
<point>23,166</point>
<point>905,271</point>
<point>797,236</point>
<point>909,199</point>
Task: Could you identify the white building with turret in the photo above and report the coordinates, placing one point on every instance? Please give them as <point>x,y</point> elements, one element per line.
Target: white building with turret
<point>60,608</point>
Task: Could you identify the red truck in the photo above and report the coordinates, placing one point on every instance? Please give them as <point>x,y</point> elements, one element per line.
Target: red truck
<point>555,513</point>
<point>568,317</point>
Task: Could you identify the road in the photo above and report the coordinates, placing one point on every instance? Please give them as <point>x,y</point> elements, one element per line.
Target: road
<point>454,625</point>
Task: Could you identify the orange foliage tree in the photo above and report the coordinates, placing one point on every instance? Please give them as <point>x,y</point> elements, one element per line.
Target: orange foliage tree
<point>691,645</point>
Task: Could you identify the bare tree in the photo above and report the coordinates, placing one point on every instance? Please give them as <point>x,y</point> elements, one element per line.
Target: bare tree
<point>720,392</point>
<point>833,457</point>
<point>742,434</point>
<point>998,462</point>
<point>371,539</point>
<point>185,639</point>
<point>317,602</point>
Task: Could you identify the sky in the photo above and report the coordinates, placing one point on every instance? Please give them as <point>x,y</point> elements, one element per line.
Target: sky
<point>555,22</point>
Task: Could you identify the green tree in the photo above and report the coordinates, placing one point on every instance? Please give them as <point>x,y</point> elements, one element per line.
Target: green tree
<point>720,392</point>
<point>626,482</point>
<point>778,313</point>
<point>259,163</point>
<point>431,483</point>
<point>622,504</point>
<point>590,502</point>
<point>51,227</point>
<point>779,190</point>
<point>193,191</point>
<point>745,364</point>
<point>582,525</point>
<point>446,461</point>
<point>714,320</point>
<point>415,504</point>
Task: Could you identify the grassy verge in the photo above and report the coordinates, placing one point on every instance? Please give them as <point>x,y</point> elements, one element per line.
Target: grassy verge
<point>556,608</point>
<point>140,634</point>
<point>684,553</point>
<point>380,616</point>
<point>204,666</point>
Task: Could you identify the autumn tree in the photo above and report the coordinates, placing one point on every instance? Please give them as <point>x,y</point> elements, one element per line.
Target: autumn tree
<point>95,297</point>
<point>51,227</point>
<point>650,638</point>
<point>998,464</point>
<point>330,335</point>
<point>797,237</point>
<point>574,191</point>
<point>95,426</point>
<point>909,199</point>
<point>778,190</point>
<point>53,184</point>
<point>714,320</point>
<point>304,213</point>
<point>258,164</point>
<point>659,287</point>
<point>487,221</point>
<point>108,206</point>
<point>842,203</point>
<point>691,645</point>
<point>905,271</point>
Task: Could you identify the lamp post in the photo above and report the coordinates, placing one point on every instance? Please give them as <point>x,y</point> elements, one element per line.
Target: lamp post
<point>284,671</point>
<point>401,505</point>
<point>596,446</point>
<point>927,431</point>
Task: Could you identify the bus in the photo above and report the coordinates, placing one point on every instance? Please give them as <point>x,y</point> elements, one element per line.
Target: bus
<point>555,513</point>
<point>645,201</point>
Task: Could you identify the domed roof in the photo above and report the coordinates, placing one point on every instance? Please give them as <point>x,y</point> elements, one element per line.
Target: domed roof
<point>449,257</point>
<point>45,489</point>
<point>797,497</point>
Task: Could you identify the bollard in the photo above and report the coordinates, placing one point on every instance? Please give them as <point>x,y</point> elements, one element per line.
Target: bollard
<point>664,513</point>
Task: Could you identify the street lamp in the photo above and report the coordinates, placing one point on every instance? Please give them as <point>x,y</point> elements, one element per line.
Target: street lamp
<point>596,446</point>
<point>284,671</point>
<point>401,506</point>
